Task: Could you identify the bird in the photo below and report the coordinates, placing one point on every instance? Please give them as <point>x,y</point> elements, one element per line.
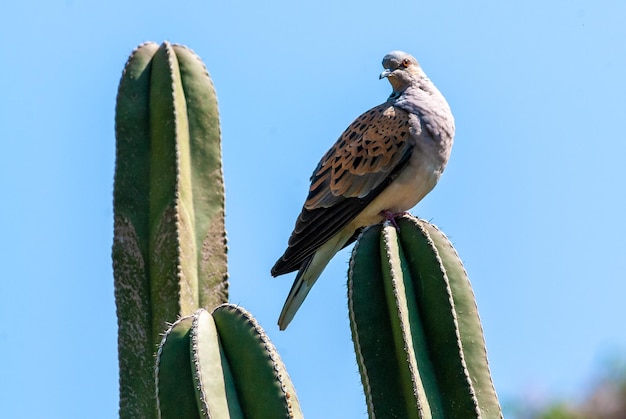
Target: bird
<point>382,165</point>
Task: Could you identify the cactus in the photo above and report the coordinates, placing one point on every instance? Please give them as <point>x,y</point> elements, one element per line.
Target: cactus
<point>169,256</point>
<point>415,326</point>
<point>169,250</point>
<point>222,366</point>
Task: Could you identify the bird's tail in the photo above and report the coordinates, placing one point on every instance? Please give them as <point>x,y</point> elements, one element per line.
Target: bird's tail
<point>299,290</point>
<point>310,270</point>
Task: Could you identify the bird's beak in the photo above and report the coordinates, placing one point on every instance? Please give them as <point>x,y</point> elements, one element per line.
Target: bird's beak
<point>384,74</point>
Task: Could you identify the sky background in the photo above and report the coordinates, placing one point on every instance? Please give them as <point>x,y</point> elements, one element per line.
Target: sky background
<point>533,196</point>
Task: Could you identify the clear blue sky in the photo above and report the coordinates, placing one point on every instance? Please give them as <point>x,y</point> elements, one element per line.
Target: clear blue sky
<point>533,197</point>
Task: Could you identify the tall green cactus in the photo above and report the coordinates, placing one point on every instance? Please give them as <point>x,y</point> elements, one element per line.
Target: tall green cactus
<point>169,250</point>
<point>415,326</point>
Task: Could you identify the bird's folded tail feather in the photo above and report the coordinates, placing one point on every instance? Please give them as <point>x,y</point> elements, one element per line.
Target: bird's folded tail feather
<point>299,290</point>
<point>310,270</point>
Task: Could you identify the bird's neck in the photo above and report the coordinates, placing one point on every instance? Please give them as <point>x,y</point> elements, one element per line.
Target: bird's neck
<point>400,87</point>
<point>424,100</point>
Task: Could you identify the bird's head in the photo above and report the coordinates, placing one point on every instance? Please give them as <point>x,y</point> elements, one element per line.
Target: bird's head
<point>401,69</point>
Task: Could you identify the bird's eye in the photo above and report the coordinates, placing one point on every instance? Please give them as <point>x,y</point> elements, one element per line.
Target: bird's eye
<point>406,63</point>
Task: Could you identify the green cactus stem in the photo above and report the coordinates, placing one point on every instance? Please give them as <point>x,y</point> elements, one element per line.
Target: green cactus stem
<point>169,250</point>
<point>415,326</point>
<point>222,366</point>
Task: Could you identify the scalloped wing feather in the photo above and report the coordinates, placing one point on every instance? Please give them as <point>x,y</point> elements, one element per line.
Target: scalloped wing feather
<point>368,150</point>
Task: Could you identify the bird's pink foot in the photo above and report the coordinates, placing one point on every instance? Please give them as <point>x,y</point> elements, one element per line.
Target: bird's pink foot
<point>391,216</point>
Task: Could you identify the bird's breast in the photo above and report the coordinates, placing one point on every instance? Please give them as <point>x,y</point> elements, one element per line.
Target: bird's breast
<point>411,185</point>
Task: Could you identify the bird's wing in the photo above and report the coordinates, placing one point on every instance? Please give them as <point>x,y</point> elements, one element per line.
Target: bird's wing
<point>363,161</point>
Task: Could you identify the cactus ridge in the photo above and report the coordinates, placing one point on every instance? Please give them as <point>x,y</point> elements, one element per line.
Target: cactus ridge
<point>205,411</point>
<point>130,249</point>
<point>371,325</point>
<point>401,314</point>
<point>174,390</point>
<point>356,337</point>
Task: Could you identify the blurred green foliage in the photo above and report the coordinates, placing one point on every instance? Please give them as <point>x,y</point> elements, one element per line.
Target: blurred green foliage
<point>605,398</point>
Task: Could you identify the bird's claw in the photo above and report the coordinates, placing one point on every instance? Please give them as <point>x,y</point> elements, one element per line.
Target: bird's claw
<point>391,216</point>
